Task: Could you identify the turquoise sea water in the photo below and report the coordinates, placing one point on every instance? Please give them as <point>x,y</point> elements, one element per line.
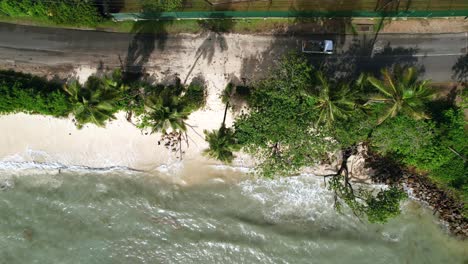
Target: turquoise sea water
<point>119,217</point>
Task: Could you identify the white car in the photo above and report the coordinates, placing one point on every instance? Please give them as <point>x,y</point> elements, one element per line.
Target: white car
<point>317,46</point>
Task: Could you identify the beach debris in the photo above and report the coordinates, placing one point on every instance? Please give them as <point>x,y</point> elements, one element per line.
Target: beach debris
<point>173,141</point>
<point>28,234</point>
<point>6,184</point>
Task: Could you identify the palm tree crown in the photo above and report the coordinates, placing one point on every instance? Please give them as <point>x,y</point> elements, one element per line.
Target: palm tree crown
<point>163,117</point>
<point>91,104</point>
<point>404,95</point>
<point>333,102</point>
<point>222,144</point>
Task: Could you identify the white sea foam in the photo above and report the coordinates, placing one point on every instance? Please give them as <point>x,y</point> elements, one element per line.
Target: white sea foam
<point>240,169</point>
<point>303,197</point>
<point>32,167</point>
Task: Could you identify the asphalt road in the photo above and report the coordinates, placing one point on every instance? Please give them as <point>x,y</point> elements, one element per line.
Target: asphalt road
<point>435,54</point>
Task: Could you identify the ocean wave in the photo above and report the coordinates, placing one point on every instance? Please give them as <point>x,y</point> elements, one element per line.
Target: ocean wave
<point>304,197</point>
<point>30,167</point>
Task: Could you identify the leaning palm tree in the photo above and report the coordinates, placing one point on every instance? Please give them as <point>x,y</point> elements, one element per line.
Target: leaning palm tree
<point>333,102</point>
<point>91,104</point>
<point>222,144</point>
<point>401,94</point>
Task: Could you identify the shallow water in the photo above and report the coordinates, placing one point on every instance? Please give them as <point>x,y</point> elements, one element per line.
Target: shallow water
<point>116,217</point>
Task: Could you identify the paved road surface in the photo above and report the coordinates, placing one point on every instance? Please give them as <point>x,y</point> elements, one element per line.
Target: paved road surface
<point>435,53</point>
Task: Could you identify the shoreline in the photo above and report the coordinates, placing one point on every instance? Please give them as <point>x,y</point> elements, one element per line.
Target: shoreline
<point>65,153</point>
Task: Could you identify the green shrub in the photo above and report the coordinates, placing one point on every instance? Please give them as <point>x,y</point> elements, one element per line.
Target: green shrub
<point>155,6</point>
<point>385,205</point>
<point>74,12</point>
<point>194,98</point>
<point>413,141</point>
<point>453,141</point>
<point>30,94</point>
<point>77,12</point>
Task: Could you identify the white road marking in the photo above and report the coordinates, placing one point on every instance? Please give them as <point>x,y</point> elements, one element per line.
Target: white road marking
<point>435,54</point>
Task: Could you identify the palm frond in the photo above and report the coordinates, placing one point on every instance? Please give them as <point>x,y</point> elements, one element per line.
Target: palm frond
<point>380,86</point>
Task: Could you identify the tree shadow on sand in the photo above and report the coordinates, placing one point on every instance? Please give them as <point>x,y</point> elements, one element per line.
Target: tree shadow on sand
<point>149,34</point>
<point>214,30</point>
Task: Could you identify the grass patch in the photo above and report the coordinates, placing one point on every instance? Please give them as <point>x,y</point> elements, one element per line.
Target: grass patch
<point>308,5</point>
<point>172,27</point>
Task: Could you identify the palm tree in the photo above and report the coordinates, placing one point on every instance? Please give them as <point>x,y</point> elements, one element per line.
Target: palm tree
<point>165,112</point>
<point>164,117</point>
<point>115,82</point>
<point>226,96</point>
<point>91,104</point>
<point>222,144</point>
<point>333,103</point>
<point>403,94</point>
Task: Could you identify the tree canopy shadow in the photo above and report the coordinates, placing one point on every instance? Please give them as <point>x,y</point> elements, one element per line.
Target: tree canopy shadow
<point>460,69</point>
<point>149,33</point>
<point>214,30</point>
<point>106,7</point>
<point>361,57</point>
<point>300,28</point>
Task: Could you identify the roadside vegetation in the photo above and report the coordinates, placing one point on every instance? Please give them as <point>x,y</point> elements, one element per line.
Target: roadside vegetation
<point>67,12</point>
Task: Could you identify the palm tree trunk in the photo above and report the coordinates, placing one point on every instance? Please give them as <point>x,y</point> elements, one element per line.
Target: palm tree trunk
<point>225,114</point>
<point>180,144</point>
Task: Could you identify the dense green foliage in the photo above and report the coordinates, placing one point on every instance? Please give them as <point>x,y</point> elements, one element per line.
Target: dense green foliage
<point>384,205</point>
<point>297,115</point>
<point>93,103</point>
<point>378,207</point>
<point>279,130</point>
<point>401,93</point>
<point>72,12</point>
<point>439,147</point>
<point>222,144</point>
<point>405,137</point>
<point>168,107</point>
<point>30,94</point>
<point>160,107</point>
<point>155,6</point>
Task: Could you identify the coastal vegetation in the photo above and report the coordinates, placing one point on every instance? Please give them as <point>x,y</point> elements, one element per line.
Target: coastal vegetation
<point>297,115</point>
<point>31,94</point>
<point>168,107</point>
<point>92,103</point>
<point>158,107</point>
